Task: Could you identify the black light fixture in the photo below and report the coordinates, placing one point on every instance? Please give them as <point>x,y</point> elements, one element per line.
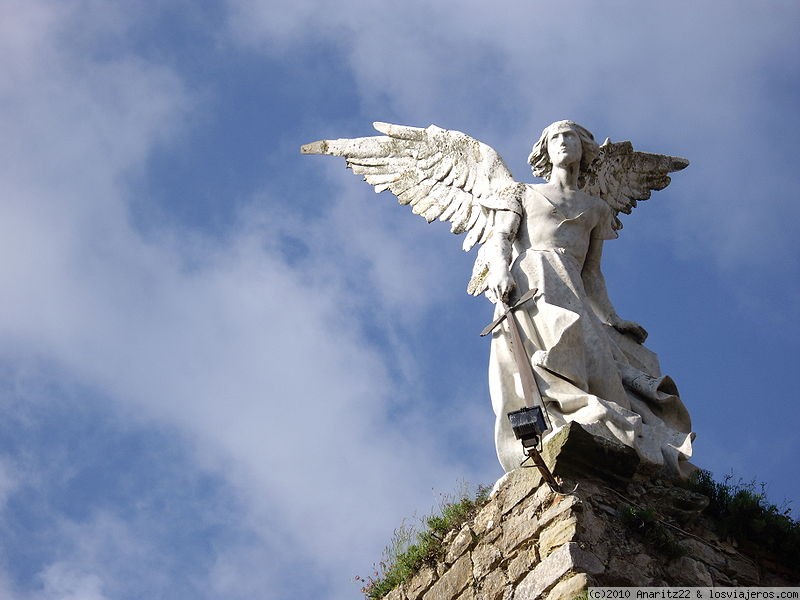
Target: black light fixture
<point>529,426</point>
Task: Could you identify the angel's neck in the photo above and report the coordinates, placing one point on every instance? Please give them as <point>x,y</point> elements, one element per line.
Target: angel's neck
<point>565,177</point>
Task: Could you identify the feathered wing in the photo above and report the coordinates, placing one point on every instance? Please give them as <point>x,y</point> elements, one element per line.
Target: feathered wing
<point>440,174</point>
<point>622,176</point>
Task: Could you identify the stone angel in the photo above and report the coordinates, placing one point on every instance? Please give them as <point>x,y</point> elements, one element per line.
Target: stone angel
<point>589,363</point>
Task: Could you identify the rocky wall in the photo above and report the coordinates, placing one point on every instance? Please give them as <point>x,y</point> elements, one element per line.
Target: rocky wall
<point>529,542</point>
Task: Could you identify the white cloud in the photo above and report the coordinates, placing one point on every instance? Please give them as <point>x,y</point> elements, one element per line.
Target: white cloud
<point>62,583</point>
<point>259,365</point>
<point>686,79</point>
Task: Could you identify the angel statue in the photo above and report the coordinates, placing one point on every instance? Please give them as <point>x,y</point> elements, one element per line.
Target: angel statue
<point>589,364</point>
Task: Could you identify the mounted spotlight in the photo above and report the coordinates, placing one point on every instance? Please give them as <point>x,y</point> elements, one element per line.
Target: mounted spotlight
<point>528,425</point>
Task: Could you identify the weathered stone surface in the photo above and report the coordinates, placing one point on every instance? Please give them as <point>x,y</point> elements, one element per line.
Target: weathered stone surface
<point>743,570</point>
<point>487,518</point>
<point>521,565</point>
<point>518,485</point>
<point>484,558</point>
<point>468,594</point>
<point>704,552</point>
<point>569,589</point>
<point>420,583</point>
<point>576,452</point>
<point>449,536</point>
<point>688,571</point>
<point>493,586</point>
<point>559,507</point>
<point>591,528</point>
<point>630,570</point>
<point>492,535</point>
<point>569,557</point>
<point>559,532</point>
<point>677,502</point>
<point>721,580</point>
<point>395,594</point>
<point>517,531</point>
<point>452,582</point>
<point>462,542</point>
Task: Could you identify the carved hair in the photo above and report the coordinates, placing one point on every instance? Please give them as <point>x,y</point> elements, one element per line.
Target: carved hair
<point>539,159</point>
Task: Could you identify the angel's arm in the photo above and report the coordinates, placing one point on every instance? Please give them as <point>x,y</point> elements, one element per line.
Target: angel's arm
<point>497,253</point>
<point>595,285</point>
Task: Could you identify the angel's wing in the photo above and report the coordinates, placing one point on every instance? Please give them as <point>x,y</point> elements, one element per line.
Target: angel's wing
<point>441,174</point>
<point>621,176</point>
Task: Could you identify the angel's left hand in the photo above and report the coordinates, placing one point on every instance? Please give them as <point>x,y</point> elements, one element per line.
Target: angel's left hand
<point>632,328</point>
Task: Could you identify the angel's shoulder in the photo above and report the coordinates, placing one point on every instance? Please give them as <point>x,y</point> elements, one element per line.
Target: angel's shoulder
<point>508,197</point>
<point>533,190</point>
<point>596,202</point>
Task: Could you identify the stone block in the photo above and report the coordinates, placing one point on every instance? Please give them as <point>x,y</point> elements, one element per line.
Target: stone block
<point>573,451</point>
<point>569,557</point>
<point>558,533</point>
<point>688,571</point>
<point>452,582</point>
<point>468,594</point>
<point>569,589</point>
<point>487,518</point>
<point>720,579</point>
<point>462,542</point>
<point>492,535</point>
<point>521,565</point>
<point>518,485</point>
<point>493,586</point>
<point>484,558</point>
<point>743,570</point>
<point>558,509</point>
<point>704,552</point>
<point>395,594</point>
<point>420,583</point>
<point>517,531</point>
<point>591,528</point>
<point>630,570</point>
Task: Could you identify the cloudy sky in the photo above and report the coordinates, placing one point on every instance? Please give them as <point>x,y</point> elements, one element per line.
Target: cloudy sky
<point>230,371</point>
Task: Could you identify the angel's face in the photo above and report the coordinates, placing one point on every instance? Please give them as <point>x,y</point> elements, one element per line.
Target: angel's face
<point>564,147</point>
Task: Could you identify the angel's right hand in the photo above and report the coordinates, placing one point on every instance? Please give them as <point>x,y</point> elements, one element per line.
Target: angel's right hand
<point>500,284</point>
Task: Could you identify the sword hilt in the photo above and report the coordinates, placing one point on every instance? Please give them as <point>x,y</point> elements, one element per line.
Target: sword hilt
<point>507,309</point>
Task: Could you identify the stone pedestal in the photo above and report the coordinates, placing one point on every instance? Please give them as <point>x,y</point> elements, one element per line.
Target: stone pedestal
<point>528,542</point>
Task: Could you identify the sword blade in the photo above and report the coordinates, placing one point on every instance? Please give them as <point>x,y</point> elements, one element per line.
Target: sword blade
<point>530,390</point>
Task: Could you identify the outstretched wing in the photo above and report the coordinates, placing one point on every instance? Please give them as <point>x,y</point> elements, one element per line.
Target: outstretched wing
<point>441,174</point>
<point>621,176</point>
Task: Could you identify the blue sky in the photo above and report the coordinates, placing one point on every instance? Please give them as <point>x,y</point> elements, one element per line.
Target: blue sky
<point>230,371</point>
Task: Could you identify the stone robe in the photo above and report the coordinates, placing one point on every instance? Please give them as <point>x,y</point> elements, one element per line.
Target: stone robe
<point>586,371</point>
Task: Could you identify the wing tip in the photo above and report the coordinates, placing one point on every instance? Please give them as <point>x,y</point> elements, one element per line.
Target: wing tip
<point>319,147</point>
<point>679,163</point>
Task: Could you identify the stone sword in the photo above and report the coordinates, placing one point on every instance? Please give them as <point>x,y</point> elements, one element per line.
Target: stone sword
<point>530,390</point>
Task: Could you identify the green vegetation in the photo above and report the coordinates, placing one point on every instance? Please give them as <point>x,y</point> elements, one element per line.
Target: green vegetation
<point>410,549</point>
<point>646,523</point>
<point>742,512</point>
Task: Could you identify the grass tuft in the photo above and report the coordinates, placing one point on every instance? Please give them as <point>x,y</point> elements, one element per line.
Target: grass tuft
<point>646,523</point>
<point>410,548</point>
<point>741,511</point>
